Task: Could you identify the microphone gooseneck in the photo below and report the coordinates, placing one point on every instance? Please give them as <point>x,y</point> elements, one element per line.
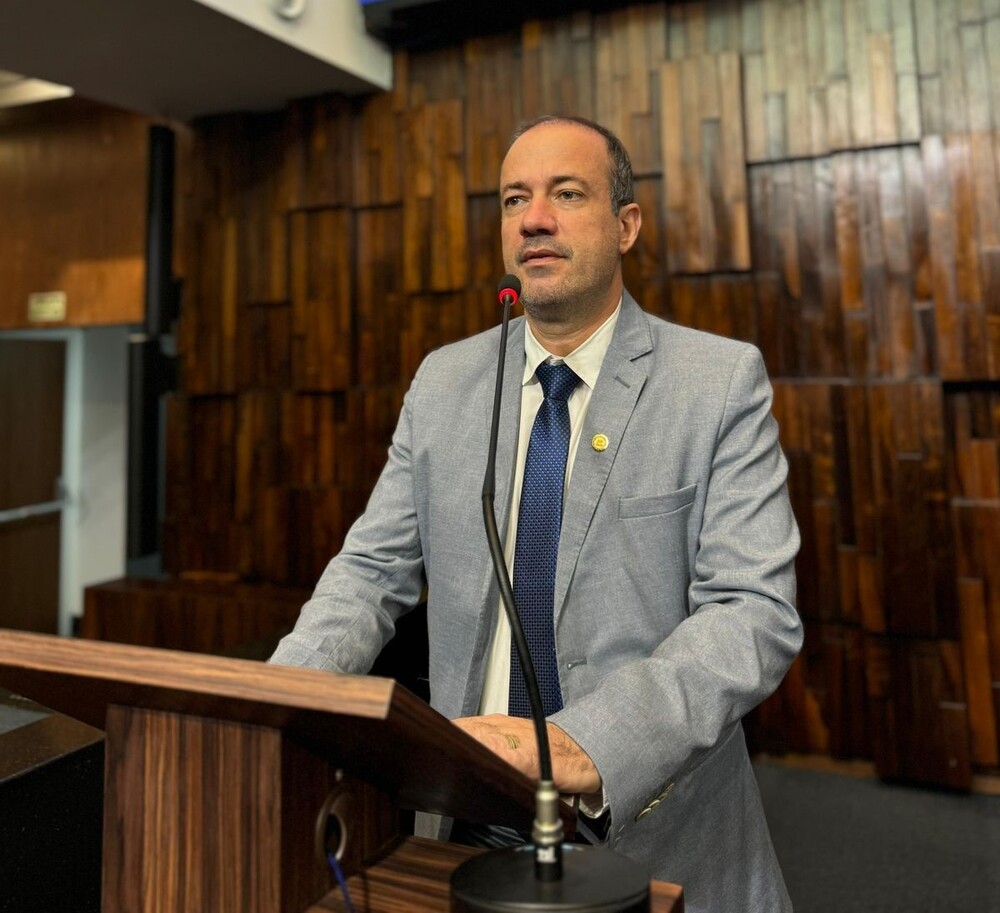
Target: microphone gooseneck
<point>547,832</point>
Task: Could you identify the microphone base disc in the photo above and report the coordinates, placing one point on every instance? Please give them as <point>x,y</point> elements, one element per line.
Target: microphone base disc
<point>595,880</point>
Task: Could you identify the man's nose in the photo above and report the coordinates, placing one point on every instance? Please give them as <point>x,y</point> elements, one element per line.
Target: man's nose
<point>538,218</point>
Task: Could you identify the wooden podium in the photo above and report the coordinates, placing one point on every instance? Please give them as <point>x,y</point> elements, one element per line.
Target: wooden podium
<point>227,780</point>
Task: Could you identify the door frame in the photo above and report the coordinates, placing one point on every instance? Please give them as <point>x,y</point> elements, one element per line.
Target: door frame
<point>95,419</point>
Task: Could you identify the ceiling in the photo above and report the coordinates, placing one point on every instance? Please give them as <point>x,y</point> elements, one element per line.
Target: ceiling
<point>181,59</point>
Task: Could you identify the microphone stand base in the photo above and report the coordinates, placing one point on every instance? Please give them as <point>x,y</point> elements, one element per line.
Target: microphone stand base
<point>595,880</point>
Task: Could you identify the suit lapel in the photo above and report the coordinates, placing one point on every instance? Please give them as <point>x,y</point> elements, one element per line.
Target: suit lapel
<point>611,406</point>
<point>510,416</point>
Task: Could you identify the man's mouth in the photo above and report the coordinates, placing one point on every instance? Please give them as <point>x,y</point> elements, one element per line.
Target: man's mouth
<point>541,255</point>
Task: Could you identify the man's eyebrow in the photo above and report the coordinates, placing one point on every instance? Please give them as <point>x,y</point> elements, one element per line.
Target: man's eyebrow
<point>513,185</point>
<point>568,179</point>
<point>553,182</point>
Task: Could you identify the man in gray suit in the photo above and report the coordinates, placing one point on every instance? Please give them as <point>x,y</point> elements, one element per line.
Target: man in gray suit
<point>673,606</point>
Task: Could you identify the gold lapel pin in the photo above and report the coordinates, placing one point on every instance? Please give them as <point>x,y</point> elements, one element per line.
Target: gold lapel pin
<point>599,442</point>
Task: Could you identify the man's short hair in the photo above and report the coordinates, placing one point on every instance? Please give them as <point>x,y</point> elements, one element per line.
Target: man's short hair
<point>619,165</point>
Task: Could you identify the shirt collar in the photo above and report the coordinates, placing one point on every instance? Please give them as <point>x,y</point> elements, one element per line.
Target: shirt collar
<point>585,360</point>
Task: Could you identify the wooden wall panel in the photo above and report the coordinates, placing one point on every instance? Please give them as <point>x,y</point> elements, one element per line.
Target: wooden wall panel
<point>959,79</point>
<point>629,48</point>
<point>826,432</point>
<point>701,134</point>
<point>847,236</point>
<point>482,309</point>
<point>793,718</point>
<point>819,177</point>
<point>645,268</point>
<point>492,110</point>
<point>264,343</point>
<point>869,486</point>
<point>805,417</point>
<point>322,139</point>
<point>836,664</point>
<point>207,330</point>
<point>722,303</point>
<point>201,533</point>
<point>973,427</point>
<point>73,178</point>
<point>911,498</point>
<point>377,172</point>
<point>434,230</point>
<point>827,75</point>
<point>962,260</point>
<point>920,720</point>
<point>321,294</point>
<point>557,71</point>
<point>380,304</point>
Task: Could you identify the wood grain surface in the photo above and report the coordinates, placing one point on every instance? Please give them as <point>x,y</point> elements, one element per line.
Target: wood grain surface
<point>355,722</point>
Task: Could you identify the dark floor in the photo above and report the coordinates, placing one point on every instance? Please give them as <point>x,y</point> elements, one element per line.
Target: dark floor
<point>856,844</point>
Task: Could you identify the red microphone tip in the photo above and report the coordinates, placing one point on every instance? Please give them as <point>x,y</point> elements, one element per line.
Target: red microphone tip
<point>509,287</point>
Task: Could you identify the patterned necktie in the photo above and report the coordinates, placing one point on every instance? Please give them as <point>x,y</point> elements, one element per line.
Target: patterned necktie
<point>538,521</point>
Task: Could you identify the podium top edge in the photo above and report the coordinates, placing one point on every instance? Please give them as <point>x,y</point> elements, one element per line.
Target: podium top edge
<point>35,665</point>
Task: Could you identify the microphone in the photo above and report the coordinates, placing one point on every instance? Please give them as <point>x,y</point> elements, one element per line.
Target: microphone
<point>530,879</point>
<point>508,294</point>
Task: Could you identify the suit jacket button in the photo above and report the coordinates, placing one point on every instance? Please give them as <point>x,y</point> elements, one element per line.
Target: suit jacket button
<point>666,792</point>
<point>643,813</point>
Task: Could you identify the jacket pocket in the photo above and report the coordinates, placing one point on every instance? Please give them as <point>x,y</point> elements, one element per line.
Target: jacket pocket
<point>657,505</point>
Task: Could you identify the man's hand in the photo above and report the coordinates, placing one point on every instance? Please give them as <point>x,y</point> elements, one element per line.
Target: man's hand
<point>513,739</point>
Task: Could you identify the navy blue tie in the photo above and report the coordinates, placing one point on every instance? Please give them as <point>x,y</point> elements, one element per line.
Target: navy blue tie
<point>538,521</point>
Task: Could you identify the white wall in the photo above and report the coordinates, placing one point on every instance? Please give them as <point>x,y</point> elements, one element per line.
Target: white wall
<point>94,466</point>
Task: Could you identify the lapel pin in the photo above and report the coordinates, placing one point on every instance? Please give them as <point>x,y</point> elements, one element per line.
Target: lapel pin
<point>599,442</point>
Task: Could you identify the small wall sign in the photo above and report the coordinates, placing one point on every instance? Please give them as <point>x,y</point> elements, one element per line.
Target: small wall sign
<point>47,307</point>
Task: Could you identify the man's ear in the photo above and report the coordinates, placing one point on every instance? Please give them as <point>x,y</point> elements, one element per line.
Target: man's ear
<point>629,223</point>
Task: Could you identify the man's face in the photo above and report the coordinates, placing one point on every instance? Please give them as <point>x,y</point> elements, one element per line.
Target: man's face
<point>560,236</point>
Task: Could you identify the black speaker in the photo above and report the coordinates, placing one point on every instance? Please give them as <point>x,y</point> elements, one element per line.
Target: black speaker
<point>52,797</point>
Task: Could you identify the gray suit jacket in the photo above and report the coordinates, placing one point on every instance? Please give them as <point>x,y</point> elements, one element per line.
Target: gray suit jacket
<point>674,594</point>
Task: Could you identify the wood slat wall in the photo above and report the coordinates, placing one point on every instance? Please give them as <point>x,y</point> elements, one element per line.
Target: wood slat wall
<point>819,177</point>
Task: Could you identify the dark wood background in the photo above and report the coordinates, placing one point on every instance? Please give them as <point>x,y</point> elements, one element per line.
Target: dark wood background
<point>819,177</point>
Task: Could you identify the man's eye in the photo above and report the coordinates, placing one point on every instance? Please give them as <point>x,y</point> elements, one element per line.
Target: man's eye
<point>569,194</point>
<point>510,202</point>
